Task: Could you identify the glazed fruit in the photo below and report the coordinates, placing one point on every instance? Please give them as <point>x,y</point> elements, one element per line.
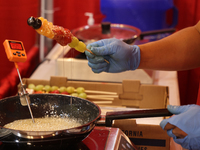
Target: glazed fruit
<point>74,42</point>
<point>81,47</point>
<point>70,89</point>
<point>53,88</point>
<point>55,91</point>
<point>31,86</point>
<point>80,90</point>
<point>47,88</point>
<point>62,89</point>
<point>46,28</point>
<point>62,35</point>
<point>82,95</point>
<point>39,87</point>
<point>66,93</point>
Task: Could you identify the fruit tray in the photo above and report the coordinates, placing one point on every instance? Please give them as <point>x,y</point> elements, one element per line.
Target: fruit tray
<point>129,93</point>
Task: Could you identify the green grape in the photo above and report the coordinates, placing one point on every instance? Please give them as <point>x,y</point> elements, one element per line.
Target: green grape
<point>31,86</point>
<point>82,95</point>
<point>80,90</point>
<point>53,88</point>
<point>62,89</point>
<point>74,94</point>
<point>39,87</point>
<point>47,88</point>
<point>70,89</point>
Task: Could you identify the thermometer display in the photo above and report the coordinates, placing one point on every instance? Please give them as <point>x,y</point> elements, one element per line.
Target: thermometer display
<point>15,50</point>
<point>15,45</point>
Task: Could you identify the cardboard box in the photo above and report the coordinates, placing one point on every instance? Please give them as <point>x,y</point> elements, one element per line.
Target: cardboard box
<point>144,136</point>
<point>129,93</point>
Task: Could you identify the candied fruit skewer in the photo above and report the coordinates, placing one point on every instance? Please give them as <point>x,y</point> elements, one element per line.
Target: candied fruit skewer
<point>61,35</point>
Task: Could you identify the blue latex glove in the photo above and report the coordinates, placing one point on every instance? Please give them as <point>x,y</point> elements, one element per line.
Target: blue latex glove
<point>120,55</point>
<point>186,118</point>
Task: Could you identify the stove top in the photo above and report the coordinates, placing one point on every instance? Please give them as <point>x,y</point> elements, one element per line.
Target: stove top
<point>101,138</point>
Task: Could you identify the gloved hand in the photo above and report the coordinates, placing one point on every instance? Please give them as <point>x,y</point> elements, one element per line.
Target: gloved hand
<point>186,121</point>
<point>120,55</point>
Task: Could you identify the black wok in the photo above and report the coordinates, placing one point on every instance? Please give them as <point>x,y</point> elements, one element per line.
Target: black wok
<point>49,104</point>
<point>56,104</point>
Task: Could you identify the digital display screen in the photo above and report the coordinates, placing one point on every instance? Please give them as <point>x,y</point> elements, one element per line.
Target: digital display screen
<point>16,45</point>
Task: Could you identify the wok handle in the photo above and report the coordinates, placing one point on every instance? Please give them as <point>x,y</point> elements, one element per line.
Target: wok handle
<point>110,116</point>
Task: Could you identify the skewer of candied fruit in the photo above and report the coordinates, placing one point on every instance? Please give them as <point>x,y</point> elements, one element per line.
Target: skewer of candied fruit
<point>61,35</point>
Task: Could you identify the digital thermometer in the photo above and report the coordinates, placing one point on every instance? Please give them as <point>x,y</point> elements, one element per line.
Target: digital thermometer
<point>15,50</point>
<point>16,53</point>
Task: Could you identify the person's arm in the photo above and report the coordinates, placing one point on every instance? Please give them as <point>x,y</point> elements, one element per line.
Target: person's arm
<point>179,51</point>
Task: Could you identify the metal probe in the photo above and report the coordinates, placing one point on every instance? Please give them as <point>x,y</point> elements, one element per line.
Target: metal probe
<point>24,93</point>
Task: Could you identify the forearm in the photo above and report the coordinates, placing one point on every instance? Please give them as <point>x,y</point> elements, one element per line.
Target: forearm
<point>180,51</point>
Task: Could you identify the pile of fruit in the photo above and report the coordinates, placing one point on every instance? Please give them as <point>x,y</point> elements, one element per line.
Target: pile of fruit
<point>78,92</point>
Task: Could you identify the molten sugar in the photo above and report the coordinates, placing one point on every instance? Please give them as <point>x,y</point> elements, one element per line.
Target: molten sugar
<point>43,124</point>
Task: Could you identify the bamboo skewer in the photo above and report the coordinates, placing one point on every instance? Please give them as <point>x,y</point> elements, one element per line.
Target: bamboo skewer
<point>102,102</point>
<point>100,98</point>
<point>100,92</point>
<point>111,96</point>
<point>101,95</point>
<point>94,54</point>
